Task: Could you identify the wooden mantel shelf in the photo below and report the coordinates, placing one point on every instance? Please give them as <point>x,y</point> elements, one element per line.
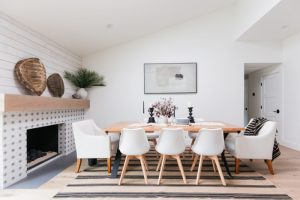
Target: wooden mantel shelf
<point>15,103</point>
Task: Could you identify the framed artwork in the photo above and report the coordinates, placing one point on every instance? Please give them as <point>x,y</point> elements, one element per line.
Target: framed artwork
<point>170,78</point>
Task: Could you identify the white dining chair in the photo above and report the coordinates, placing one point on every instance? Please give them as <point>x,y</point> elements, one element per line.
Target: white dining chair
<point>170,145</point>
<point>93,142</point>
<point>253,147</point>
<point>134,144</point>
<point>193,135</point>
<point>209,144</point>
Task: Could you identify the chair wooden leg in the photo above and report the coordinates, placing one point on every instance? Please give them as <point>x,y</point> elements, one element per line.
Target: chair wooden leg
<point>78,164</point>
<point>193,141</point>
<point>109,165</point>
<point>141,158</point>
<point>193,154</point>
<point>215,158</point>
<point>124,169</point>
<point>145,162</point>
<point>270,166</point>
<point>183,156</point>
<point>161,168</point>
<point>159,163</point>
<point>237,165</point>
<point>194,162</point>
<point>177,157</point>
<point>154,141</point>
<point>214,165</point>
<point>199,169</point>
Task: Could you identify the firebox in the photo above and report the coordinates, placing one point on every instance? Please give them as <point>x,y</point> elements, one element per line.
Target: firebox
<point>42,145</point>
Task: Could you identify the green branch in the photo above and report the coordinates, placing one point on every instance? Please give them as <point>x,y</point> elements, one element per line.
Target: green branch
<point>84,78</point>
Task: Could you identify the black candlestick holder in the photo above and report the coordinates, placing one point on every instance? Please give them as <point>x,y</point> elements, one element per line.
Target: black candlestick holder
<point>191,115</point>
<point>151,118</point>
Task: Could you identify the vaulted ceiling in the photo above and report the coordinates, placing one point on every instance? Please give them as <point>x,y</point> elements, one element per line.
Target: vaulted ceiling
<point>87,26</point>
<point>277,24</point>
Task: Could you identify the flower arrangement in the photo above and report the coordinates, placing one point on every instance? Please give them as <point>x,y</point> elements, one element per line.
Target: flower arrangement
<point>164,107</point>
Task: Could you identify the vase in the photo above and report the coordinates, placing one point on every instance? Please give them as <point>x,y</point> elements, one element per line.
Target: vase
<point>82,93</point>
<point>162,120</point>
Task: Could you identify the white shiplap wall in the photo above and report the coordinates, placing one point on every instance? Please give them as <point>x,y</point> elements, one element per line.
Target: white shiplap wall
<point>18,42</point>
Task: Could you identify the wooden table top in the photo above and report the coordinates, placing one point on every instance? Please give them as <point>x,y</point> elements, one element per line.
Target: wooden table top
<point>227,128</point>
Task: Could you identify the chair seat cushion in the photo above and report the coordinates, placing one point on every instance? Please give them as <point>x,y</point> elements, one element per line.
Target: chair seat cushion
<point>152,135</point>
<point>230,144</point>
<point>193,135</point>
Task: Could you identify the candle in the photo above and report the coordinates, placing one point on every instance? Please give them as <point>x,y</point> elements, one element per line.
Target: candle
<point>150,105</point>
<point>143,108</point>
<point>174,110</point>
<point>189,105</point>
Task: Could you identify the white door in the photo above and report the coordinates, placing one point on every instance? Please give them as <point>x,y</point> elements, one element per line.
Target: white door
<point>271,99</point>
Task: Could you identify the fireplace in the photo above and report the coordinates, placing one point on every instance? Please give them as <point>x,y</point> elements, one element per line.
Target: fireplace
<point>42,145</point>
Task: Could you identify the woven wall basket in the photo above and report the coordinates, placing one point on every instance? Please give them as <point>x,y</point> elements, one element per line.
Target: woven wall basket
<point>32,75</point>
<point>55,85</point>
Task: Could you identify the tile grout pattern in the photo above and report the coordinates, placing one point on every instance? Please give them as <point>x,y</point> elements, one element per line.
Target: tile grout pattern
<point>15,125</point>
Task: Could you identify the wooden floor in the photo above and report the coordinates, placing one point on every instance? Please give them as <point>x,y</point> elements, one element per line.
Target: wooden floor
<point>287,171</point>
<point>287,177</point>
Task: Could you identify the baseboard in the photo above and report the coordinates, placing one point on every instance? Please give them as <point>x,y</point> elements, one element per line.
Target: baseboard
<point>290,145</point>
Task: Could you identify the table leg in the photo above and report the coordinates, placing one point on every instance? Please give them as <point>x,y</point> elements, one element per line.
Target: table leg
<point>116,165</point>
<point>224,158</point>
<point>226,164</point>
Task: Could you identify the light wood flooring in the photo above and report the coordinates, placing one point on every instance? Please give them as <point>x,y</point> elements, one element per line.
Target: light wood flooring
<point>286,167</point>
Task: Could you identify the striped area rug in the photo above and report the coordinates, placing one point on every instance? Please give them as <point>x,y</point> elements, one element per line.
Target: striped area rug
<point>94,183</point>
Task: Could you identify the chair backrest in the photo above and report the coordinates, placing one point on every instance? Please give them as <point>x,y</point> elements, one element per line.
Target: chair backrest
<point>90,141</point>
<point>209,142</point>
<point>171,141</point>
<point>269,128</point>
<point>87,127</point>
<point>133,141</point>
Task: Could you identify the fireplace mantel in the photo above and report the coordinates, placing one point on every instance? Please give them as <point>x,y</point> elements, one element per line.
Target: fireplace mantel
<point>21,103</point>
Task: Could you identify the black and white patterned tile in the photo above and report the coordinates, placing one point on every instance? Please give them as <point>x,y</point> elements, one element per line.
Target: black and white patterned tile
<point>13,166</point>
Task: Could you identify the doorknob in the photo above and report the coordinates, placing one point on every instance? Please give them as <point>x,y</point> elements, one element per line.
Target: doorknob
<point>277,111</point>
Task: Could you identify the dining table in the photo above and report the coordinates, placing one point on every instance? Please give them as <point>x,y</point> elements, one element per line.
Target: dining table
<point>153,127</point>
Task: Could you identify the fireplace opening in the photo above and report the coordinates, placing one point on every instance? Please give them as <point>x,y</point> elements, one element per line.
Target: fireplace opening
<point>42,145</point>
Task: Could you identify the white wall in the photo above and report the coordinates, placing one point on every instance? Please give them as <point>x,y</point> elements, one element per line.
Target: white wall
<point>18,42</point>
<point>251,11</point>
<point>207,41</point>
<point>291,70</point>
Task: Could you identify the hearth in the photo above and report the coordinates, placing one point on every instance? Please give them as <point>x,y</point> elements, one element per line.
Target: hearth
<point>42,145</point>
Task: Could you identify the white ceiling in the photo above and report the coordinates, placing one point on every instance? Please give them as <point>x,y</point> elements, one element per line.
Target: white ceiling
<point>86,26</point>
<point>281,22</point>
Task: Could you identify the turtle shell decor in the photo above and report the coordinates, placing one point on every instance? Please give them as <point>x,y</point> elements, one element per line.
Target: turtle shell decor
<point>31,73</point>
<point>55,85</point>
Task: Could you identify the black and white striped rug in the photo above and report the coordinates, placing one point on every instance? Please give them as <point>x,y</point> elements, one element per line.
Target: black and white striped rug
<point>94,183</point>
